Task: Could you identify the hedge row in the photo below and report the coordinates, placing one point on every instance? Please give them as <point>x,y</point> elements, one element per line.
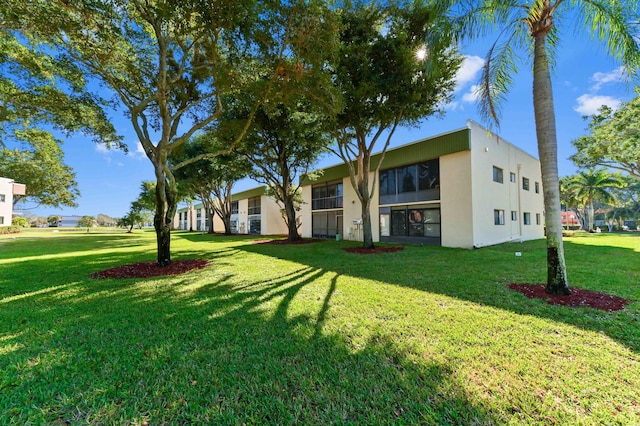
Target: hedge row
<point>10,229</point>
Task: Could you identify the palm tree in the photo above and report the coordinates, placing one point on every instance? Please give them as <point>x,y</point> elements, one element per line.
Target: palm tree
<point>594,185</point>
<point>530,25</point>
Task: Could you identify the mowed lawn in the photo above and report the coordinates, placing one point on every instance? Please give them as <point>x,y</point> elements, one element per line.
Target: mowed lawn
<point>311,334</point>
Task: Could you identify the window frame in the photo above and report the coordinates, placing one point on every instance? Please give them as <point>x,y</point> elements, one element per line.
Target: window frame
<point>498,174</point>
<point>512,177</point>
<point>526,218</point>
<point>525,183</point>
<point>498,217</point>
<point>537,187</point>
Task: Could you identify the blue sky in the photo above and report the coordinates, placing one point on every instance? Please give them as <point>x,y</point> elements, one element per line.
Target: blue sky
<point>584,78</point>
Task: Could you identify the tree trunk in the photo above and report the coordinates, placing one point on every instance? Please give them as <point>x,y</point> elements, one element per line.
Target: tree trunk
<point>166,196</point>
<point>290,212</point>
<point>548,151</point>
<point>367,234</point>
<point>227,224</point>
<point>590,212</point>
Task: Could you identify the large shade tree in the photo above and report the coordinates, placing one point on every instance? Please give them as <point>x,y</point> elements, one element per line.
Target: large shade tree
<point>530,26</point>
<point>396,67</point>
<point>613,140</point>
<point>168,63</point>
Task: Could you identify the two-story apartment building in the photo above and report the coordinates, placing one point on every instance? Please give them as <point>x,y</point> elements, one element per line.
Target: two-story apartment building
<point>465,188</point>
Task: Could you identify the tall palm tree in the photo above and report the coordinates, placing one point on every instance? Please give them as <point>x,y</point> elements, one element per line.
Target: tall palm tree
<point>530,25</point>
<point>594,185</point>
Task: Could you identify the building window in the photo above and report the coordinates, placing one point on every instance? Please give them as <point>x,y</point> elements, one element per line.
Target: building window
<point>537,218</point>
<point>527,218</point>
<point>497,174</point>
<point>254,206</point>
<point>2,198</point>
<point>514,215</point>
<point>512,177</point>
<point>234,207</point>
<point>410,221</point>
<point>525,183</point>
<point>415,182</point>
<point>537,184</point>
<point>255,225</point>
<point>326,224</point>
<point>498,217</point>
<point>1,220</point>
<point>326,196</point>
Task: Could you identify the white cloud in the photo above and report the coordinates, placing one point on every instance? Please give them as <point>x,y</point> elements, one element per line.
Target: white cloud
<point>138,153</point>
<point>102,148</point>
<point>601,78</point>
<point>590,104</point>
<point>468,72</point>
<point>472,95</point>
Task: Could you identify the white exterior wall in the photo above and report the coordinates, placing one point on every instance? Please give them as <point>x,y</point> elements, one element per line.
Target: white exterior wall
<point>456,209</point>
<point>272,220</point>
<point>243,216</point>
<point>6,206</point>
<point>305,212</point>
<point>352,210</point>
<point>489,150</point>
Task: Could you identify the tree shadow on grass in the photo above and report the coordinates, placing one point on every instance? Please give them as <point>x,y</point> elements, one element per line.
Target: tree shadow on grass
<point>482,276</point>
<point>210,350</point>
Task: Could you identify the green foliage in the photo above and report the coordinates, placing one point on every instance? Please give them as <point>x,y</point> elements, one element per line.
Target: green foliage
<point>53,220</point>
<point>13,229</point>
<point>209,179</point>
<point>168,62</point>
<point>87,222</point>
<point>592,185</point>
<point>396,66</point>
<point>612,23</point>
<point>36,87</point>
<point>39,164</point>
<point>613,140</point>
<point>310,334</point>
<point>20,222</point>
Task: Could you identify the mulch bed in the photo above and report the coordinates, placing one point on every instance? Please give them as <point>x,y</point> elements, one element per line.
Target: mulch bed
<point>375,250</point>
<point>286,242</point>
<point>151,269</point>
<point>578,297</point>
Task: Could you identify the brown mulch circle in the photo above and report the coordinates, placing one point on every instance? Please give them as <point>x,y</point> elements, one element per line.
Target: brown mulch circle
<point>285,242</point>
<point>578,298</point>
<point>375,250</point>
<point>151,269</point>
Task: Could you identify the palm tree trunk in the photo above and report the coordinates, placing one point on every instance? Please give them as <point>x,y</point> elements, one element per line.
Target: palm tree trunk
<point>591,215</point>
<point>557,282</point>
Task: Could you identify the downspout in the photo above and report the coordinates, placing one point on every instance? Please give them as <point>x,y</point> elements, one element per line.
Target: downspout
<point>519,188</point>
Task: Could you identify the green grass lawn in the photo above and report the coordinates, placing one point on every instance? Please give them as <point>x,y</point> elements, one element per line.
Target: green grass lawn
<point>311,334</point>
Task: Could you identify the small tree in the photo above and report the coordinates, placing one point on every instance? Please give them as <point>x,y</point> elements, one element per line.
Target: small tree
<point>20,221</point>
<point>210,179</point>
<point>396,66</point>
<point>593,185</point>
<point>54,220</point>
<point>282,144</point>
<point>87,222</point>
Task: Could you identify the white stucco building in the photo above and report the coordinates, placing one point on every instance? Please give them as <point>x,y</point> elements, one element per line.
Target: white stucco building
<point>252,212</point>
<point>466,188</point>
<point>8,188</point>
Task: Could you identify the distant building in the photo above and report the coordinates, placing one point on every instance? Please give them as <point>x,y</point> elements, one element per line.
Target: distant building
<point>8,188</point>
<point>69,221</point>
<point>252,212</point>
